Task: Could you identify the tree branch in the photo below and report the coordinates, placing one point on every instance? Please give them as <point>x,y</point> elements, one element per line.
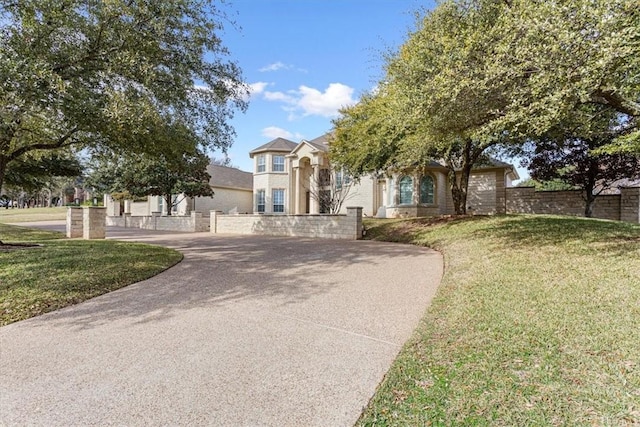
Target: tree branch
<point>61,142</point>
<point>613,99</point>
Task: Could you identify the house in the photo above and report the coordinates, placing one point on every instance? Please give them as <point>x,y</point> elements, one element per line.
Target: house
<point>296,178</point>
<point>233,192</point>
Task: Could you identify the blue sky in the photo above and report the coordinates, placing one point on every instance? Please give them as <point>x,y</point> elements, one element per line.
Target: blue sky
<point>304,59</point>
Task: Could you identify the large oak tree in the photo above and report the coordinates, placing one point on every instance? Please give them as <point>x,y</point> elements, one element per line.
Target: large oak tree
<point>477,74</point>
<point>93,73</point>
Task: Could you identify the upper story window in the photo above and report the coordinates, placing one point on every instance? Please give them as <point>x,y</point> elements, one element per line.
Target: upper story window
<point>426,190</point>
<point>338,180</point>
<point>406,190</point>
<point>261,163</point>
<point>278,164</point>
<point>325,177</point>
<point>260,201</point>
<point>278,200</point>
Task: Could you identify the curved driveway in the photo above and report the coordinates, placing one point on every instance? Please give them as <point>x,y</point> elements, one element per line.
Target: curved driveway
<point>246,331</point>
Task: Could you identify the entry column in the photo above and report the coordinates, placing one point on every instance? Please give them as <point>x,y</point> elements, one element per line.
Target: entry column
<point>298,184</point>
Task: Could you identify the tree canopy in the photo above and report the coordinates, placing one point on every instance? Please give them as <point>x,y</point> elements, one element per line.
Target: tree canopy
<point>556,56</point>
<point>479,74</point>
<point>140,175</point>
<point>90,73</point>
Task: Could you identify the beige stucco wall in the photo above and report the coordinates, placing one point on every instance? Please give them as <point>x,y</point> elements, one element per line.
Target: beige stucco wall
<point>140,208</point>
<point>481,196</point>
<point>225,200</point>
<point>363,194</point>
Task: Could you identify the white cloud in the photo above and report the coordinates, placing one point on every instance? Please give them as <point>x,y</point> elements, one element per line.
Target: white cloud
<point>276,132</point>
<point>280,96</point>
<point>327,103</point>
<point>274,67</point>
<point>257,87</point>
<point>277,66</point>
<point>307,101</point>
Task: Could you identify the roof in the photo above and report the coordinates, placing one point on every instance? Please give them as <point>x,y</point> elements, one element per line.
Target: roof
<point>321,143</point>
<point>223,176</point>
<point>278,145</point>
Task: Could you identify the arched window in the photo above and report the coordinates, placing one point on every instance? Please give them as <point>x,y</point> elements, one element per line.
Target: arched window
<point>426,190</point>
<point>406,190</point>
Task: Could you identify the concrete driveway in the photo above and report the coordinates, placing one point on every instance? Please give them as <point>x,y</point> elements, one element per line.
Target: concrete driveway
<point>246,331</point>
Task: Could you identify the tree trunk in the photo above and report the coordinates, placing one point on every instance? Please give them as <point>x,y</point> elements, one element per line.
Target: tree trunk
<point>3,169</point>
<point>590,185</point>
<point>459,187</point>
<point>168,202</point>
<point>458,193</point>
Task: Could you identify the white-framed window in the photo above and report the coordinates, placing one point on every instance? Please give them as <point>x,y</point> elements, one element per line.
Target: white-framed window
<point>260,201</point>
<point>161,203</point>
<point>427,190</point>
<point>278,200</point>
<point>262,165</point>
<point>406,190</point>
<point>277,163</point>
<point>342,178</point>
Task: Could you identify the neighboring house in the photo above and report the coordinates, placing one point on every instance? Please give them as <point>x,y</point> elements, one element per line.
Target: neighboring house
<point>290,178</point>
<point>233,193</point>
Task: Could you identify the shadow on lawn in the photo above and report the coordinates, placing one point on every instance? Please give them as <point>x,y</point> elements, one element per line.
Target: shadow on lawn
<point>532,231</point>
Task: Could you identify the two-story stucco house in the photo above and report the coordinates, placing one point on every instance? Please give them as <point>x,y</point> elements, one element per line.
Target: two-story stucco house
<point>294,178</point>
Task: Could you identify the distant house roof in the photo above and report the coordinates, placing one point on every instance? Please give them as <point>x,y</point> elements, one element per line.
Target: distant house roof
<point>223,176</point>
<point>278,145</point>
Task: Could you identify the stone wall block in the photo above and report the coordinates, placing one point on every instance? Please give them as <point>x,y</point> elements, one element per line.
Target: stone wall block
<point>94,222</point>
<point>630,204</point>
<point>74,222</point>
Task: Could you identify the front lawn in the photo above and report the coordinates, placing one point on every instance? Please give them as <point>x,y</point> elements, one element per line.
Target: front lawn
<point>536,322</point>
<point>32,214</point>
<point>64,272</point>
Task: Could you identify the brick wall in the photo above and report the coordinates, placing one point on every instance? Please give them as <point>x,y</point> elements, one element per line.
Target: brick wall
<point>624,206</point>
<point>319,226</point>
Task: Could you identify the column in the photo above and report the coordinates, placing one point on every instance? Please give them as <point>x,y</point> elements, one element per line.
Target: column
<point>93,222</point>
<point>314,205</point>
<point>298,184</point>
<point>74,222</point>
<point>355,218</point>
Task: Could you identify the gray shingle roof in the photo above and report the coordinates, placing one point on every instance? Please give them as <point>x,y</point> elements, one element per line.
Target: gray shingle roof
<point>321,142</point>
<point>278,145</point>
<point>223,176</point>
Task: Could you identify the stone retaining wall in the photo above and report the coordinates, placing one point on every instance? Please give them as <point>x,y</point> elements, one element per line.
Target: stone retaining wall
<point>347,226</point>
<point>193,223</point>
<point>619,207</point>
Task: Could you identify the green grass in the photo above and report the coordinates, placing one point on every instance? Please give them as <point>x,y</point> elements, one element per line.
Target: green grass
<point>32,214</point>
<point>65,272</point>
<point>536,323</point>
